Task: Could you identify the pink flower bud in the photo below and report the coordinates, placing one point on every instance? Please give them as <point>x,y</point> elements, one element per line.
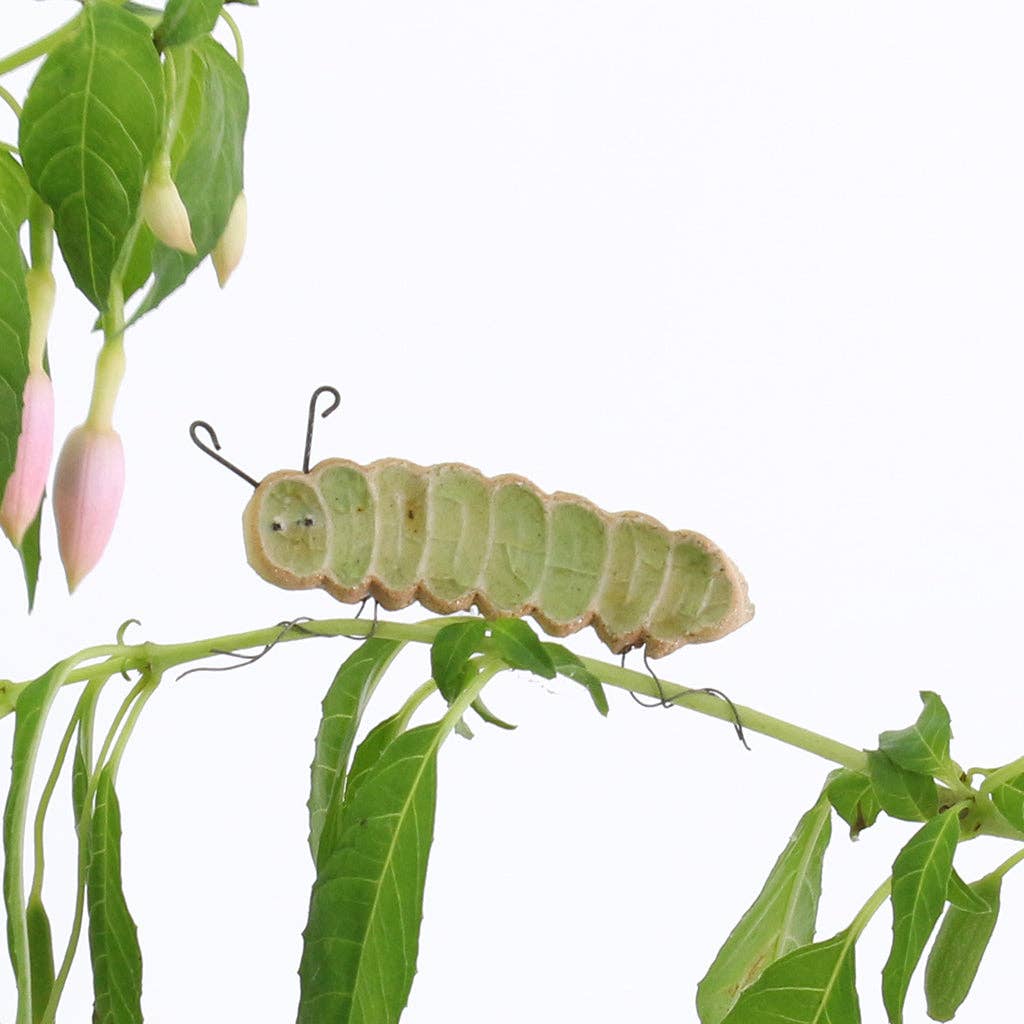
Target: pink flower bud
<point>227,253</point>
<point>164,211</point>
<point>25,486</point>
<point>87,491</point>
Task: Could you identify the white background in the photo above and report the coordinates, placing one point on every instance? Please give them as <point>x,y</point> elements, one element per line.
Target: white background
<point>753,269</point>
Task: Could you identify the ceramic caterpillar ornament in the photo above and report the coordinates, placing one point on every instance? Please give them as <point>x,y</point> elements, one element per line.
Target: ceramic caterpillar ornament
<point>449,537</point>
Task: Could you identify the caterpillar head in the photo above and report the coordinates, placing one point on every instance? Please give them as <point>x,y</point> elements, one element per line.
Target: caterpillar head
<point>287,531</point>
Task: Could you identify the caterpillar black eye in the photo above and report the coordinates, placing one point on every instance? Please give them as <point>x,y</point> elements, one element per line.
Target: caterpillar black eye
<point>308,521</point>
<point>276,526</point>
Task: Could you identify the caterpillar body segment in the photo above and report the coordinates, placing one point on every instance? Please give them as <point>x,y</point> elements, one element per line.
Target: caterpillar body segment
<point>449,537</point>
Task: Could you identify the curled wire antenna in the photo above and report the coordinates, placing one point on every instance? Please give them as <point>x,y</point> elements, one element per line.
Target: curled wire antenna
<point>325,389</point>
<point>215,450</point>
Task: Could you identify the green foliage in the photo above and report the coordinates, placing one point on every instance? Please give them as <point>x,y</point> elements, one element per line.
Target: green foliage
<point>920,879</point>
<point>361,942</point>
<point>900,793</point>
<point>206,163</point>
<point>184,20</point>
<point>113,941</point>
<point>518,646</point>
<point>343,708</point>
<point>567,664</point>
<point>15,191</point>
<point>1009,799</point>
<point>961,895</point>
<point>40,953</point>
<point>90,129</point>
<point>30,715</point>
<point>781,919</point>
<point>853,797</point>
<point>958,948</point>
<point>14,327</point>
<point>450,652</point>
<point>924,746</point>
<point>814,984</point>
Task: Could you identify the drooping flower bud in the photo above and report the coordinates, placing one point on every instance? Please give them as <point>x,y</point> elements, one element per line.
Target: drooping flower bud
<point>163,209</point>
<point>227,253</point>
<point>25,486</point>
<point>87,492</point>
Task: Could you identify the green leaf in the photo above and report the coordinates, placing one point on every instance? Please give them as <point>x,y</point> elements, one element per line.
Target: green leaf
<point>113,941</point>
<point>40,946</point>
<point>90,129</point>
<point>360,945</point>
<point>342,711</point>
<point>924,746</point>
<point>920,878</point>
<point>518,646</point>
<point>15,191</point>
<point>489,716</point>
<point>206,163</point>
<point>902,794</point>
<point>31,555</point>
<point>567,664</point>
<point>1009,801</point>
<point>14,328</point>
<point>812,985</point>
<point>450,652</point>
<point>958,949</point>
<point>184,20</point>
<point>368,753</point>
<point>853,797</point>
<point>961,895</point>
<point>780,920</point>
<point>29,718</point>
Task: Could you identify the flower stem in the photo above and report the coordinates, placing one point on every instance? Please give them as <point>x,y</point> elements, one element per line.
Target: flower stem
<point>39,48</point>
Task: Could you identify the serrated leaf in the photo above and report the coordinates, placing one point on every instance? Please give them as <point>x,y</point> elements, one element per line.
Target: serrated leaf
<point>781,919</point>
<point>14,330</point>
<point>113,940</point>
<point>924,746</point>
<point>206,164</point>
<point>90,129</point>
<point>814,984</point>
<point>361,942</point>
<point>1009,800</point>
<point>184,20</point>
<point>342,711</point>
<point>519,647</point>
<point>29,718</point>
<point>15,191</point>
<point>567,664</point>
<point>961,895</point>
<point>450,652</point>
<point>958,949</point>
<point>31,555</point>
<point>40,947</point>
<point>853,797</point>
<point>902,794</point>
<point>920,878</point>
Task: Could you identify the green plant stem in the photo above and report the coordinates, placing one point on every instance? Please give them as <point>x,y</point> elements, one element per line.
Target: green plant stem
<point>39,48</point>
<point>9,99</point>
<point>1000,775</point>
<point>1008,864</point>
<point>110,362</point>
<point>162,657</point>
<point>239,48</point>
<point>139,692</point>
<point>874,901</point>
